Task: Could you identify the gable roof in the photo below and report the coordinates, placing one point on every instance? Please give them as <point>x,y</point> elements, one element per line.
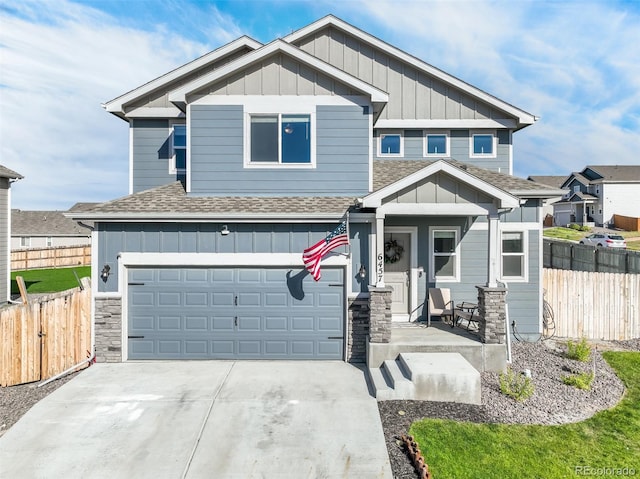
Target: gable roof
<point>44,223</point>
<point>524,118</point>
<point>179,95</point>
<point>116,106</point>
<point>615,173</point>
<point>550,180</point>
<point>7,173</point>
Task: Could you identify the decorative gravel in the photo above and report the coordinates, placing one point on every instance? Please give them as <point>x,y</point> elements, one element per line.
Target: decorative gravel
<point>552,402</point>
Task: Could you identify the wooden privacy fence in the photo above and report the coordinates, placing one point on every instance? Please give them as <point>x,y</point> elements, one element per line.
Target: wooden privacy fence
<point>627,223</point>
<point>594,305</point>
<point>60,256</point>
<point>46,337</point>
<point>581,257</point>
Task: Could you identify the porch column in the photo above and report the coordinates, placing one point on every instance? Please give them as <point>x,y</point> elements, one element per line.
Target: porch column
<point>380,314</point>
<point>492,310</point>
<point>494,251</point>
<point>379,262</point>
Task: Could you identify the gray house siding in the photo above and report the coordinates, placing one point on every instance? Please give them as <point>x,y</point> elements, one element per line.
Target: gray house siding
<point>527,213</point>
<point>342,152</point>
<point>4,239</point>
<point>412,94</point>
<point>459,144</point>
<point>151,154</point>
<point>116,238</point>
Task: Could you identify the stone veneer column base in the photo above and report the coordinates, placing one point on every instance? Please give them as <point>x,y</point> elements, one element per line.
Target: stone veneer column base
<point>380,305</point>
<point>357,329</point>
<point>108,330</point>
<point>492,311</point>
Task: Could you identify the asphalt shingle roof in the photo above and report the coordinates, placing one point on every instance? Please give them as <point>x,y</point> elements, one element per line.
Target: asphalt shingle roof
<point>7,173</point>
<point>550,180</point>
<point>172,198</point>
<point>45,223</point>
<point>617,172</point>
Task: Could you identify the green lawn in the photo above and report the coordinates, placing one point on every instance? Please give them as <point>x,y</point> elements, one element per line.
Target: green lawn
<point>560,232</point>
<point>610,439</point>
<point>49,280</point>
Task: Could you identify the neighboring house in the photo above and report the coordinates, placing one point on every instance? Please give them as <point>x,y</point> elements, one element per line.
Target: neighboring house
<point>248,155</point>
<point>46,229</point>
<point>7,177</point>
<point>597,193</point>
<point>547,208</point>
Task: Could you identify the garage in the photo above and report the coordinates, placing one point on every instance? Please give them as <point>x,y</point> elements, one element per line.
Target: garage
<point>234,313</point>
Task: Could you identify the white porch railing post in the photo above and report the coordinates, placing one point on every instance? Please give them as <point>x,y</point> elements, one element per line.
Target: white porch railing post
<point>379,232</point>
<point>494,251</point>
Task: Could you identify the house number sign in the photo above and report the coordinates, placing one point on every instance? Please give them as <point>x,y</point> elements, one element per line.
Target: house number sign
<point>380,267</point>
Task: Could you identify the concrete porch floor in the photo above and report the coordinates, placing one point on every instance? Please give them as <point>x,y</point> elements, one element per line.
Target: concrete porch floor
<point>412,337</point>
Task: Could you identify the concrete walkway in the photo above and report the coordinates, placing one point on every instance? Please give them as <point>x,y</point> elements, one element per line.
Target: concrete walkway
<point>202,419</point>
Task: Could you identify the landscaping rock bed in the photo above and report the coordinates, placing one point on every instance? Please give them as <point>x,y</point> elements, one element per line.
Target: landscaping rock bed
<point>552,402</point>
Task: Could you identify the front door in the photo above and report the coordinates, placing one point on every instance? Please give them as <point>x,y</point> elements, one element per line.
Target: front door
<point>397,263</point>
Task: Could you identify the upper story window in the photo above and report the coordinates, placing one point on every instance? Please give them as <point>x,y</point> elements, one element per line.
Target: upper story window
<point>437,144</point>
<point>576,188</point>
<point>390,144</point>
<point>280,139</point>
<point>179,148</point>
<point>482,145</point>
<point>445,263</point>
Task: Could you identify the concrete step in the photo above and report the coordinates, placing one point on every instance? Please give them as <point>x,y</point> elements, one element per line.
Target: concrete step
<point>400,383</point>
<point>382,390</point>
<point>446,377</point>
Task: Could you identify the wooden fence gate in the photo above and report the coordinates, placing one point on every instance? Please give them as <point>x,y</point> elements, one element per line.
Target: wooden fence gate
<point>46,337</point>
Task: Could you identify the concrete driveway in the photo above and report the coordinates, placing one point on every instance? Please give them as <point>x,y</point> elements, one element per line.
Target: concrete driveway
<point>202,419</point>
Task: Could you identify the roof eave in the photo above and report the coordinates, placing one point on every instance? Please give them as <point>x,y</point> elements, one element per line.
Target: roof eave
<point>207,217</point>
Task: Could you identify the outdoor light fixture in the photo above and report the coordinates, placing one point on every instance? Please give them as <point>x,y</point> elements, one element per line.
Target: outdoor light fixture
<point>362,271</point>
<point>224,231</point>
<point>106,271</point>
<point>288,129</point>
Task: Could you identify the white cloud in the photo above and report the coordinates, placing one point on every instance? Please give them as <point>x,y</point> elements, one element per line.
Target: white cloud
<point>574,64</point>
<point>59,62</point>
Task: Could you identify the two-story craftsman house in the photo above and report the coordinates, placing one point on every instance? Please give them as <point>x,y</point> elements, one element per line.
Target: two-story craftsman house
<point>248,155</point>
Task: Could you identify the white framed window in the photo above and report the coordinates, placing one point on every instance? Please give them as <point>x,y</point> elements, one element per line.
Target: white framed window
<point>483,144</point>
<point>576,188</point>
<point>444,264</point>
<point>25,242</point>
<point>437,143</point>
<point>514,261</point>
<point>280,140</point>
<point>178,160</point>
<point>49,241</point>
<point>390,144</point>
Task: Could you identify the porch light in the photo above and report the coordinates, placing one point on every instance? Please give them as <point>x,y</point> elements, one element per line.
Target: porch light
<point>362,271</point>
<point>288,129</point>
<point>224,231</point>
<point>106,271</point>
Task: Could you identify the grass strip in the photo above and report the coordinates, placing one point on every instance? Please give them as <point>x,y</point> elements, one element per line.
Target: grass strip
<point>49,280</point>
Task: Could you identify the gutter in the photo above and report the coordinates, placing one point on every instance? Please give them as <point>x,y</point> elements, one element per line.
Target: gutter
<point>300,217</point>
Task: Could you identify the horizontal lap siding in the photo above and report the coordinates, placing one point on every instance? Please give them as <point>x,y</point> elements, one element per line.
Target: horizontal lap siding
<point>4,239</point>
<point>217,163</point>
<point>151,154</point>
<point>116,238</point>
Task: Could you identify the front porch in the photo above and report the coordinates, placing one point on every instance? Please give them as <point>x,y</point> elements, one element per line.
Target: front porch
<point>416,337</point>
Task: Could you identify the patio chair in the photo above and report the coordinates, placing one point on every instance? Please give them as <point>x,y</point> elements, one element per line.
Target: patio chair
<point>440,304</point>
<point>468,312</point>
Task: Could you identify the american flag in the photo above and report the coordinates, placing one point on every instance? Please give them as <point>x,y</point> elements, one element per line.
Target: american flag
<point>312,255</point>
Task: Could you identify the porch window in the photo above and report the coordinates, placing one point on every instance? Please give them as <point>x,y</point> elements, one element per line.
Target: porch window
<point>513,257</point>
<point>444,255</point>
<point>179,148</point>
<point>390,145</point>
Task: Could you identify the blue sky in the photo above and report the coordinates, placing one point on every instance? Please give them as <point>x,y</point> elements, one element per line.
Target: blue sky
<point>575,64</point>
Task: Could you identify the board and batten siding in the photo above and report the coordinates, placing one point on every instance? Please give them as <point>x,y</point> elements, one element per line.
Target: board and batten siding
<point>217,162</point>
<point>4,240</point>
<point>412,94</point>
<point>116,238</point>
<point>151,154</point>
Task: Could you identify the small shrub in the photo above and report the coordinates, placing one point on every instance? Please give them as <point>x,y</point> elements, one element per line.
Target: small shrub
<point>574,226</point>
<point>585,228</point>
<point>516,386</point>
<point>581,381</point>
<point>580,351</point>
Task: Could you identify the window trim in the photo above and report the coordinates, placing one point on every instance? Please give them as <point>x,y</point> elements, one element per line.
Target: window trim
<point>379,144</point>
<point>49,241</point>
<point>172,152</point>
<point>473,134</point>
<point>25,241</point>
<point>271,165</point>
<point>425,147</point>
<point>456,254</point>
<point>524,278</point>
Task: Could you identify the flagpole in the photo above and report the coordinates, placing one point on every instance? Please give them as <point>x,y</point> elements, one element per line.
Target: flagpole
<point>348,235</point>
